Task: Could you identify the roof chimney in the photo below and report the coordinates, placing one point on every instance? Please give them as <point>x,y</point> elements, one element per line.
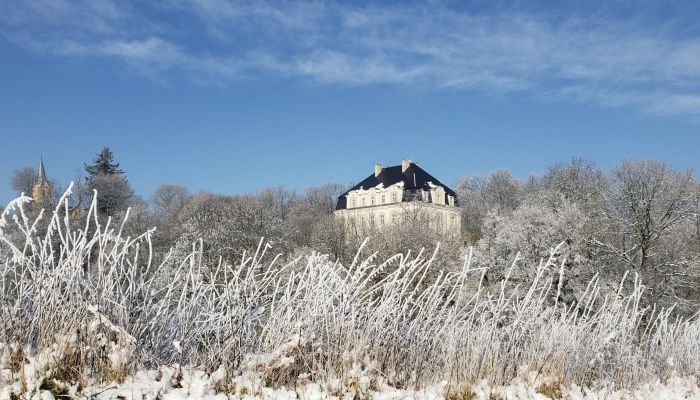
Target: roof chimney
<point>404,165</point>
<point>377,169</point>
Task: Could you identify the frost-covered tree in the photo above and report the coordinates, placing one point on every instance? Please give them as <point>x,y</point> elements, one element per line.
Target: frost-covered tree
<point>502,191</point>
<point>473,205</point>
<point>515,243</point>
<point>647,216</point>
<point>169,197</point>
<point>646,199</point>
<point>579,181</point>
<point>322,199</point>
<point>310,212</point>
<point>329,236</point>
<point>499,192</point>
<point>229,225</point>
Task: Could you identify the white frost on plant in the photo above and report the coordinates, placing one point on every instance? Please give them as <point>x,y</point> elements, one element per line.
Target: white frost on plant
<point>88,312</point>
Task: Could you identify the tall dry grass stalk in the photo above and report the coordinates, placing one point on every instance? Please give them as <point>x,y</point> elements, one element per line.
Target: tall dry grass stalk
<point>85,304</point>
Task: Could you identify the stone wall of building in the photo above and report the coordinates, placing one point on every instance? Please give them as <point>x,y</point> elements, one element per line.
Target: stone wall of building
<point>444,219</point>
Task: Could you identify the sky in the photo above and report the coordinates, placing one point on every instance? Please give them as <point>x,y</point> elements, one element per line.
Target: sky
<point>234,96</point>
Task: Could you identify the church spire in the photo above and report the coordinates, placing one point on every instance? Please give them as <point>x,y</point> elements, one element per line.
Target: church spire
<point>41,191</point>
<point>42,172</point>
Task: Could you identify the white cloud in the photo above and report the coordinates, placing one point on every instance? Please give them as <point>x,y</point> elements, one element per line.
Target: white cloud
<point>557,57</point>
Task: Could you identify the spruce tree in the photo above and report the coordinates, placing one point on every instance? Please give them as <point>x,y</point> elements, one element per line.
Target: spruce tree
<point>103,165</point>
<point>113,189</point>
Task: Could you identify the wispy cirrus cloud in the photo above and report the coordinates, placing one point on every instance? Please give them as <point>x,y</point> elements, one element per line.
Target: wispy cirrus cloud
<point>588,57</point>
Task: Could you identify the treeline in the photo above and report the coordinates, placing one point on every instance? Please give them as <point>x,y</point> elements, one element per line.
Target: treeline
<point>642,217</point>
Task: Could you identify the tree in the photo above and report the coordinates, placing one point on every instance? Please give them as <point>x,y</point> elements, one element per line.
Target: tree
<point>229,225</point>
<point>309,213</point>
<point>646,199</point>
<point>113,189</point>
<point>324,198</point>
<point>579,181</point>
<point>647,217</point>
<point>104,164</point>
<point>167,197</point>
<point>529,234</point>
<point>502,191</point>
<point>329,237</point>
<point>473,205</point>
<point>23,179</point>
<point>113,193</point>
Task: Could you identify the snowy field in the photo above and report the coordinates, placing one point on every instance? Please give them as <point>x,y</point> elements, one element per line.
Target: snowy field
<point>86,312</point>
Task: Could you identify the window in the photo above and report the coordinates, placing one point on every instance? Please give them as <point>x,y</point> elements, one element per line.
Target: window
<point>353,202</point>
<point>363,202</point>
<point>381,219</point>
<point>383,199</point>
<point>393,218</point>
<point>393,197</point>
<point>372,200</point>
<point>371,219</point>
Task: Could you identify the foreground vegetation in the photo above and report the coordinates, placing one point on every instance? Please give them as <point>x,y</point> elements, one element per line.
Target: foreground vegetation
<point>85,306</point>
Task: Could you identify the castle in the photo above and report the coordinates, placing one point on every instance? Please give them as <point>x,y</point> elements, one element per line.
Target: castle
<point>397,194</point>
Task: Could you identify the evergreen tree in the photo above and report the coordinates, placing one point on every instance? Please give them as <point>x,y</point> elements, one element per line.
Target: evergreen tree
<point>113,190</point>
<point>103,165</point>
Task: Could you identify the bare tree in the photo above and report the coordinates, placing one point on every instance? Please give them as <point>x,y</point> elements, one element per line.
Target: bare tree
<point>23,179</point>
<point>168,196</point>
<point>470,192</point>
<point>579,181</point>
<point>502,191</point>
<point>645,200</point>
<point>323,198</point>
<point>281,199</point>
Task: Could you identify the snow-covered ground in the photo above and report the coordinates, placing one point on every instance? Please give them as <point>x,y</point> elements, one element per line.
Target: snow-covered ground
<point>175,383</point>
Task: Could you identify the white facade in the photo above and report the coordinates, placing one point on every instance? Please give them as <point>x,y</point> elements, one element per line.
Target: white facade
<point>379,207</point>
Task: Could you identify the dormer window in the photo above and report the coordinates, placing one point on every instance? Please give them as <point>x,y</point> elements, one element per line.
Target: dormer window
<point>383,199</point>
<point>372,200</point>
<point>394,197</point>
<point>354,201</point>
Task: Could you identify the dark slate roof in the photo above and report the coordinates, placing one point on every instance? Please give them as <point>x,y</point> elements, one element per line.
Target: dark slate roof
<point>414,179</point>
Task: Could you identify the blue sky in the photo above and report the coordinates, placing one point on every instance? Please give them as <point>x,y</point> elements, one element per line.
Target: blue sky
<point>231,96</point>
